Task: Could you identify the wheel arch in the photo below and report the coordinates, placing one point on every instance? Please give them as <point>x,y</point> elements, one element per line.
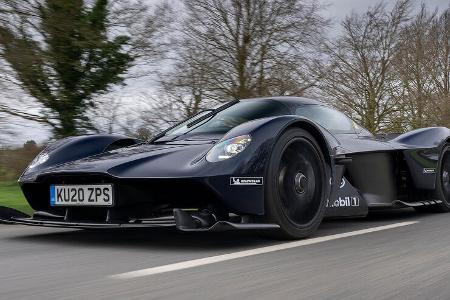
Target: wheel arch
<point>317,134</point>
<point>446,142</point>
<point>331,171</point>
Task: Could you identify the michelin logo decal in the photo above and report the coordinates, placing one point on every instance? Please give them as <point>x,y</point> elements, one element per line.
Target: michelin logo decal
<point>246,181</point>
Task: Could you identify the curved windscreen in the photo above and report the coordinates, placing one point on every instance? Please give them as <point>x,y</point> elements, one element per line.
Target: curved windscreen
<point>331,119</point>
<point>224,120</point>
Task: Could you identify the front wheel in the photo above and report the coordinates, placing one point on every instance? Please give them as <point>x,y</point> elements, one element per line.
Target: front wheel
<point>297,188</point>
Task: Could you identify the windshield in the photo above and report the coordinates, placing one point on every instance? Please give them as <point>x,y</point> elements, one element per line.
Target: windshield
<point>331,119</point>
<point>230,117</point>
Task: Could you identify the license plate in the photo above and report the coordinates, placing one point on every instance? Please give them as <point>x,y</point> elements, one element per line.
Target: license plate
<point>81,195</point>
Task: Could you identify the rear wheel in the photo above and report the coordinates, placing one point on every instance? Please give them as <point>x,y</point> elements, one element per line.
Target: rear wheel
<point>296,189</point>
<point>442,185</point>
<point>443,181</point>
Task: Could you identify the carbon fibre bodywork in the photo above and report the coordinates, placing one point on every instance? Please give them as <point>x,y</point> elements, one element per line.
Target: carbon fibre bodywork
<point>385,171</point>
<point>152,179</point>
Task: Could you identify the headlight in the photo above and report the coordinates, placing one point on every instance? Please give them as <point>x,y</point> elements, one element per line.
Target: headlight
<point>40,159</point>
<point>228,148</point>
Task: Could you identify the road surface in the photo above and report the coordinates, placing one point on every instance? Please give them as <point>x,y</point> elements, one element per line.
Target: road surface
<point>391,255</point>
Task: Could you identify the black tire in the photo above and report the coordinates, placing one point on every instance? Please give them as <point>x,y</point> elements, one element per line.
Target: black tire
<point>442,185</point>
<point>296,185</point>
<point>443,181</point>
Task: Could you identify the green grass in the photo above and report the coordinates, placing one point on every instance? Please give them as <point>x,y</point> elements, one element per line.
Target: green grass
<point>11,196</point>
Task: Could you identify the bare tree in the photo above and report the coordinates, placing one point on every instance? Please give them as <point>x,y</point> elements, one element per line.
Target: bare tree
<point>156,111</point>
<point>422,65</point>
<point>109,112</point>
<point>185,87</point>
<point>440,65</point>
<point>363,81</point>
<point>247,48</point>
<point>148,28</point>
<point>237,49</point>
<point>414,67</point>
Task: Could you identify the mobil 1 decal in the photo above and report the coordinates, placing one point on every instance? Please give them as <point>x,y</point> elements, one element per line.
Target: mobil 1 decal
<point>344,199</point>
<point>347,202</point>
<point>344,202</point>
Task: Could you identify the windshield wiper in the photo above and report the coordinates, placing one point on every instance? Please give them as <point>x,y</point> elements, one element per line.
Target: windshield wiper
<point>163,133</point>
<point>212,113</point>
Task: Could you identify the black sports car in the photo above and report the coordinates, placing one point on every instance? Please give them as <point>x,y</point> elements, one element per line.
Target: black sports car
<point>281,164</point>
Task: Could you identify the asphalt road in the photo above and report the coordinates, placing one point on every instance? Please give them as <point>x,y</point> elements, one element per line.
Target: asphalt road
<point>408,262</point>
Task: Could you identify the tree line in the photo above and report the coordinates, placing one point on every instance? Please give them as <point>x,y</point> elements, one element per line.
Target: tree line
<point>388,67</point>
<point>14,161</point>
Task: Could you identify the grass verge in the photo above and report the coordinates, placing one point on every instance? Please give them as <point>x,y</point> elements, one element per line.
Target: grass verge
<point>11,196</point>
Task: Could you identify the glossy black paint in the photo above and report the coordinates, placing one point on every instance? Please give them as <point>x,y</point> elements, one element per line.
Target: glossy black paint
<point>75,148</point>
<point>171,173</point>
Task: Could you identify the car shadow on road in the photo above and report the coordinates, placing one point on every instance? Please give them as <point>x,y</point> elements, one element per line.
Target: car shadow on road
<point>153,238</point>
<point>169,239</point>
<point>374,218</point>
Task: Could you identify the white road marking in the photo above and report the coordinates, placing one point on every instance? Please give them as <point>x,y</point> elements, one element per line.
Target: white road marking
<point>225,257</point>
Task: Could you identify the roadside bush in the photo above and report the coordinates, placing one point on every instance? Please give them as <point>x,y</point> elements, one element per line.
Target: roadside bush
<point>14,160</point>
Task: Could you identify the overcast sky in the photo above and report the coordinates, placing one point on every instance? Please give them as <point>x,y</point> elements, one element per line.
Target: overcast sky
<point>336,10</point>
